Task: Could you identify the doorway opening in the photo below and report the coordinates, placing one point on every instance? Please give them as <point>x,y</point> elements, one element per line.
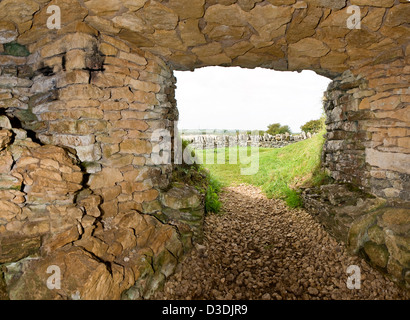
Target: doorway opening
<point>256,126</point>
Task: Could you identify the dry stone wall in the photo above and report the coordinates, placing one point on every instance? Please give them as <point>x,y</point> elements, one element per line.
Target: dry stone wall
<point>104,104</point>
<point>243,140</point>
<point>363,147</point>
<point>79,104</point>
<point>48,217</point>
<point>366,112</point>
<point>81,188</point>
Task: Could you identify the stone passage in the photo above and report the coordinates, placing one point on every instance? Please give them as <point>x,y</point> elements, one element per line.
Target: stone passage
<point>82,186</point>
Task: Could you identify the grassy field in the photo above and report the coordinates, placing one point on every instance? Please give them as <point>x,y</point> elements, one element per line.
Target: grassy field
<point>280,173</point>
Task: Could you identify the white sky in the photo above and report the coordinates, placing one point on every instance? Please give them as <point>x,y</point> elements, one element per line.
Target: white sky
<point>247,99</point>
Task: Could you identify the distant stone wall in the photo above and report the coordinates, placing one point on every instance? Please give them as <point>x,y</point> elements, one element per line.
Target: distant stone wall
<point>243,140</point>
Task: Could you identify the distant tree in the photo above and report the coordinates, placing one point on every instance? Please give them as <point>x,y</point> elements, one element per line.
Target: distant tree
<point>313,126</point>
<point>273,128</point>
<point>277,128</point>
<point>284,129</point>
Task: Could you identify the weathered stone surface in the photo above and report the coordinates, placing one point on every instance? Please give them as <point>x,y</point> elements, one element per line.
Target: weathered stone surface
<point>369,227</point>
<point>375,3</point>
<point>84,278</point>
<point>5,122</point>
<point>397,15</point>
<point>19,11</point>
<point>269,18</point>
<point>5,138</point>
<point>135,146</point>
<point>8,32</point>
<point>181,198</point>
<point>17,248</point>
<point>190,33</point>
<point>376,234</point>
<point>183,205</point>
<point>106,178</point>
<point>230,15</point>
<point>133,22</point>
<point>303,24</point>
<point>160,27</point>
<point>90,204</point>
<point>392,161</point>
<point>6,161</point>
<point>159,16</point>
<point>374,19</point>
<point>10,182</point>
<point>308,47</point>
<point>56,241</point>
<point>377,254</point>
<point>109,7</point>
<point>74,12</point>
<point>187,9</point>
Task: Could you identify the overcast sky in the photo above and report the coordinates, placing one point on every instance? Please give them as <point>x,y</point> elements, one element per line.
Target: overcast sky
<point>247,99</point>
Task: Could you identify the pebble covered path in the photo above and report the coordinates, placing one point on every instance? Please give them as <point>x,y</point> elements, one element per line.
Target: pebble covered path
<point>258,248</point>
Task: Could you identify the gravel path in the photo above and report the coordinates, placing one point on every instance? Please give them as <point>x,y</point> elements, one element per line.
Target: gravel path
<point>260,249</point>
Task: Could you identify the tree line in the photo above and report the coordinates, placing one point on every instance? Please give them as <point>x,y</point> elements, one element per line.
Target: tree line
<point>312,126</point>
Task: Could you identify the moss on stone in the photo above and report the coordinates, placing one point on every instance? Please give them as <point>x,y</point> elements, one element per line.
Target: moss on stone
<point>161,216</point>
<point>3,288</point>
<point>358,231</point>
<point>146,272</point>
<point>186,239</point>
<point>151,207</point>
<point>376,234</point>
<point>395,269</point>
<point>17,248</point>
<point>26,116</point>
<point>165,262</point>
<point>15,49</point>
<point>377,254</point>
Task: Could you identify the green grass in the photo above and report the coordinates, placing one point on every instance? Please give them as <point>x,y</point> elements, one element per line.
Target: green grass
<point>281,171</point>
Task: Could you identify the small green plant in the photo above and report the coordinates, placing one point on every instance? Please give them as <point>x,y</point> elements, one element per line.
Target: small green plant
<point>212,203</point>
<point>199,177</point>
<point>293,198</point>
<point>314,126</point>
<point>320,177</point>
<point>215,183</point>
